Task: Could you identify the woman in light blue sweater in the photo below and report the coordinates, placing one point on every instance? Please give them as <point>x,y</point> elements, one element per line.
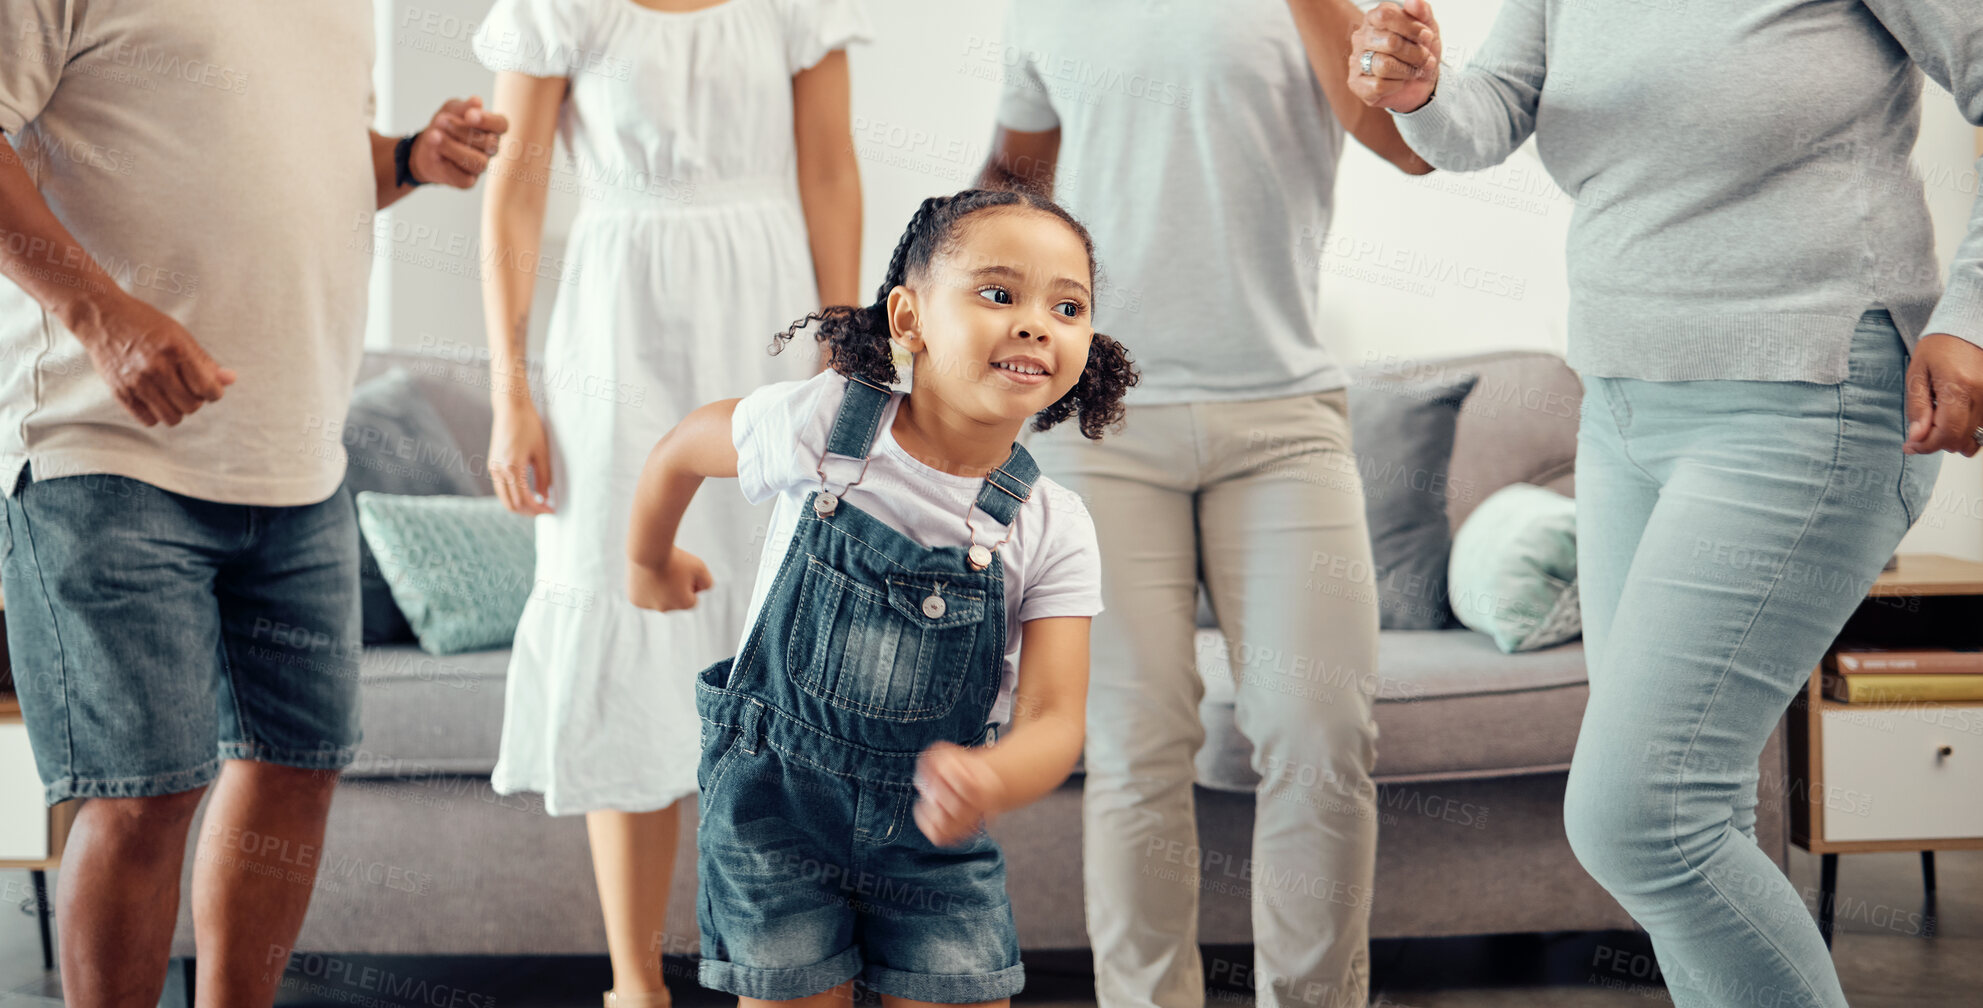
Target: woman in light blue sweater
<point>1770,367</point>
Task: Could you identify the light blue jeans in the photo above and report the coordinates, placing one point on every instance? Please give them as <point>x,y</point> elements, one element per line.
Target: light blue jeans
<point>1726,530</point>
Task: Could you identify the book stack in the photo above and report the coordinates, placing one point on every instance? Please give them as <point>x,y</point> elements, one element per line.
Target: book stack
<point>1904,675</point>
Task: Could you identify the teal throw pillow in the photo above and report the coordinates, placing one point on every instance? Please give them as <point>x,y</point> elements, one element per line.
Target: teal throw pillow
<point>1513,574</point>
<point>460,568</point>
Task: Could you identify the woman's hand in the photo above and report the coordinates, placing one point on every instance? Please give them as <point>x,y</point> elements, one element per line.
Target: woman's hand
<point>956,792</point>
<point>666,589</point>
<point>1944,396</point>
<point>1405,49</point>
<point>519,450</point>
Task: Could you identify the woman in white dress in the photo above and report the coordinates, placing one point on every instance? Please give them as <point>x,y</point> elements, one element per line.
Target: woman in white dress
<point>709,146</point>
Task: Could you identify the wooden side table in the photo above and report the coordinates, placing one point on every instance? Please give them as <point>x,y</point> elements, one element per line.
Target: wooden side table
<point>31,834</point>
<point>1893,776</point>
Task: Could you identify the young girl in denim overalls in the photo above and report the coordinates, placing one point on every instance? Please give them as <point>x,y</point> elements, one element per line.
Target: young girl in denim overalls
<point>881,706</point>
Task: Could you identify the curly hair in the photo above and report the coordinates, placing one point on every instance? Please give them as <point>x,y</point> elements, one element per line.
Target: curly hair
<point>857,337</point>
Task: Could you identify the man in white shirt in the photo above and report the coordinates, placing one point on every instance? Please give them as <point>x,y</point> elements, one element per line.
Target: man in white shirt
<point>185,218</point>
<point>1198,142</point>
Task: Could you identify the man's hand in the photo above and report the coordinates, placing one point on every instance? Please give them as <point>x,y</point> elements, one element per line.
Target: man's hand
<point>955,793</point>
<point>152,364</point>
<point>1405,50</point>
<point>669,588</point>
<point>455,147</point>
<point>1944,396</point>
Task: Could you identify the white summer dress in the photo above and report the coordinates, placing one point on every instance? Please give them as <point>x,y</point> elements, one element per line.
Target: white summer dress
<point>688,252</point>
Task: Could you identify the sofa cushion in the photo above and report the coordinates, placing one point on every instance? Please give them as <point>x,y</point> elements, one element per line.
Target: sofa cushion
<point>455,381</point>
<point>1403,433</point>
<point>460,568</point>
<point>1450,706</point>
<point>1518,425</point>
<point>425,714</point>
<point>395,442</point>
<point>1513,575</point>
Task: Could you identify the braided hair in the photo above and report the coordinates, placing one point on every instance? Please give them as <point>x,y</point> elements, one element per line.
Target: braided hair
<point>857,337</point>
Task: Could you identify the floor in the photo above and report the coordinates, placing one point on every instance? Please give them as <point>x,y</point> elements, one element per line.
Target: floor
<point>1890,954</point>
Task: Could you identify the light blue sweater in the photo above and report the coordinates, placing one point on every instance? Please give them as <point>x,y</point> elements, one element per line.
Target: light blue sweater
<point>1740,170</point>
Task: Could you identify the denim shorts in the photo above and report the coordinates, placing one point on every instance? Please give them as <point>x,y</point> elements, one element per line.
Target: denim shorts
<point>154,635</point>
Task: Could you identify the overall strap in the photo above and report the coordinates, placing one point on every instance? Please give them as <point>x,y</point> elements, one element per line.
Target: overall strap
<point>859,419</point>
<point>1009,486</point>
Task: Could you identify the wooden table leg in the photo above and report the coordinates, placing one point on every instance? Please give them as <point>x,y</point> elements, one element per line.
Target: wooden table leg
<point>1827,894</point>
<point>41,912</point>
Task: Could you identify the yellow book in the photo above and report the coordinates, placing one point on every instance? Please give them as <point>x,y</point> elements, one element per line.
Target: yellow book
<point>1889,687</point>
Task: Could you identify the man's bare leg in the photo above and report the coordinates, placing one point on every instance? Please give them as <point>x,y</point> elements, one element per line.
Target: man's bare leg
<point>253,873</point>
<point>117,898</point>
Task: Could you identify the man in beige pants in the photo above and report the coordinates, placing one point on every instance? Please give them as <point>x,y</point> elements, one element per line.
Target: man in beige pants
<point>1234,469</point>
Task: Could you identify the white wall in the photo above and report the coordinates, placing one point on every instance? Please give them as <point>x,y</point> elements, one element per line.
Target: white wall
<point>924,97</point>
<point>1947,158</point>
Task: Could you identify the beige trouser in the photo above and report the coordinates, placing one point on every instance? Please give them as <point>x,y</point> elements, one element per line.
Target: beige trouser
<point>1262,502</point>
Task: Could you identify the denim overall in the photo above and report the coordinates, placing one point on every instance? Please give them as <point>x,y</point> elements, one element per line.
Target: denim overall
<point>868,649</point>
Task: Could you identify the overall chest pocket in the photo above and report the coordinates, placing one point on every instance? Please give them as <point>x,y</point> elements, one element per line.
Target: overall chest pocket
<point>900,649</point>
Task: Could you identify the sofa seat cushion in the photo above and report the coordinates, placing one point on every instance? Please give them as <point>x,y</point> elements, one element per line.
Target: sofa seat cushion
<point>1450,706</point>
<point>425,714</point>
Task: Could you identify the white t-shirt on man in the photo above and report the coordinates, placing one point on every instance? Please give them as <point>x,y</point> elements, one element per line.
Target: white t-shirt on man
<point>1052,562</point>
<point>213,156</point>
<point>1199,150</point>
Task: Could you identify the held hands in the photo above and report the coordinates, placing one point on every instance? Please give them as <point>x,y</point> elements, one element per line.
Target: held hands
<point>666,589</point>
<point>456,145</point>
<point>1944,396</point>
<point>1405,50</point>
<point>154,367</point>
<point>956,792</point>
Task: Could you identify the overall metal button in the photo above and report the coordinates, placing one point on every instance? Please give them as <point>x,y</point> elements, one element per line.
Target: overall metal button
<point>980,556</point>
<point>825,504</point>
<point>934,607</point>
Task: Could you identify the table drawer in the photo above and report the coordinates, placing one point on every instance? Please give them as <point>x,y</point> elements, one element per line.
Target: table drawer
<point>1885,777</point>
<point>23,817</point>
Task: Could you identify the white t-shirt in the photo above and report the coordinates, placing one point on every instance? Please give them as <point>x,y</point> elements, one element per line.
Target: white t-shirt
<point>1052,563</point>
<point>1199,150</point>
<point>213,156</point>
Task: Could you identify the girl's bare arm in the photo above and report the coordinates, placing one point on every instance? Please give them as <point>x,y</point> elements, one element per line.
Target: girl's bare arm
<point>960,788</point>
<point>1049,711</point>
<point>698,448</point>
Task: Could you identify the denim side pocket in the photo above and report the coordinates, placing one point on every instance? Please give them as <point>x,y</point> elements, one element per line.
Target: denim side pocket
<point>1917,483</point>
<point>1917,472</point>
<point>718,745</point>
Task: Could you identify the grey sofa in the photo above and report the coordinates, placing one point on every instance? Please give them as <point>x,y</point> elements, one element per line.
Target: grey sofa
<point>423,858</point>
